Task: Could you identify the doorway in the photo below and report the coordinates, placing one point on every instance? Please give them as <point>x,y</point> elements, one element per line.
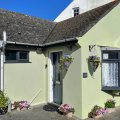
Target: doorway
<point>56,78</point>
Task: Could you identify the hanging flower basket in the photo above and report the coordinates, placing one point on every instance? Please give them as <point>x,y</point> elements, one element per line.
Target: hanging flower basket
<point>65,61</point>
<point>94,62</point>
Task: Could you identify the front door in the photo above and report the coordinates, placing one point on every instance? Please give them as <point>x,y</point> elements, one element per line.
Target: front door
<point>57,80</point>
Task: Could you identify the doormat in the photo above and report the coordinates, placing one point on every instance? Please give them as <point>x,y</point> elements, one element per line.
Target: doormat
<point>50,107</point>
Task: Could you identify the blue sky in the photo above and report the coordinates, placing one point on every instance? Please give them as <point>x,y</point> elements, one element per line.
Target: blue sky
<point>46,9</point>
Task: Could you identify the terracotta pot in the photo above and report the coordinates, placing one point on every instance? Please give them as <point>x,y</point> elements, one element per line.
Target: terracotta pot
<point>110,110</point>
<point>69,115</point>
<point>99,116</point>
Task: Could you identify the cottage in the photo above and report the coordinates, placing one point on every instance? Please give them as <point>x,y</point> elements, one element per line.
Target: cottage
<point>33,49</point>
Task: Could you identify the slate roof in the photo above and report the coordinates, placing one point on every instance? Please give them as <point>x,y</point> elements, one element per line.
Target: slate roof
<point>23,28</point>
<point>79,25</point>
<point>27,29</point>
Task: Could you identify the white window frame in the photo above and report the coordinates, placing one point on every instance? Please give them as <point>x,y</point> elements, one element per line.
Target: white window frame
<point>77,12</point>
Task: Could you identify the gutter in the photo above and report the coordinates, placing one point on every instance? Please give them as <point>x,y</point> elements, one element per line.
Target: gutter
<point>45,44</point>
<point>20,43</point>
<point>60,41</point>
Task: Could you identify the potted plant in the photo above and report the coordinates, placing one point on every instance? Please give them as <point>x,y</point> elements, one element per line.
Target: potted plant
<point>110,105</point>
<point>67,110</point>
<point>65,61</point>
<point>94,62</point>
<point>3,103</point>
<point>97,112</point>
<point>20,105</point>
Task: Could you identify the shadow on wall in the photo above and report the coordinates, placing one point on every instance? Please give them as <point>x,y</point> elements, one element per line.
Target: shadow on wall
<point>70,50</point>
<point>113,93</point>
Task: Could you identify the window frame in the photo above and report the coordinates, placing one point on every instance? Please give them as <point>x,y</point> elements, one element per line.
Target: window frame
<point>108,88</point>
<point>18,60</point>
<point>78,13</point>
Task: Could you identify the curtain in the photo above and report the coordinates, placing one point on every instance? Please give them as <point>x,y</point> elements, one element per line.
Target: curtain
<point>110,74</point>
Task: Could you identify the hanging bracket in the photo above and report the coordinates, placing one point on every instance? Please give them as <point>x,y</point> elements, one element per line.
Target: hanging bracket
<point>91,47</point>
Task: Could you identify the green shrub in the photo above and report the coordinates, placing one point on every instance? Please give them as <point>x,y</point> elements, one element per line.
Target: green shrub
<point>93,112</point>
<point>3,99</point>
<point>110,103</point>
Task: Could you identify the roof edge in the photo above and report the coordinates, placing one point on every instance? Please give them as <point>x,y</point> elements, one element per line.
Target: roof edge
<point>43,45</point>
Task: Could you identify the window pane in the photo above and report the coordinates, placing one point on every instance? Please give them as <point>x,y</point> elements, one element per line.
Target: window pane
<point>110,55</point>
<point>110,74</point>
<point>76,11</point>
<point>11,55</point>
<point>113,55</point>
<point>23,55</point>
<point>105,56</point>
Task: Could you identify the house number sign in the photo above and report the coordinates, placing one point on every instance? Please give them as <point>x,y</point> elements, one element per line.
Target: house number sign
<point>85,75</point>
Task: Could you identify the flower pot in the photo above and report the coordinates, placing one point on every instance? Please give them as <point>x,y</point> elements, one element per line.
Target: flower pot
<point>110,110</point>
<point>3,110</point>
<point>99,116</point>
<point>69,114</point>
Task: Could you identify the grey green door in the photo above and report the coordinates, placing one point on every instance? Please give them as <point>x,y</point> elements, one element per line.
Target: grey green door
<point>57,78</point>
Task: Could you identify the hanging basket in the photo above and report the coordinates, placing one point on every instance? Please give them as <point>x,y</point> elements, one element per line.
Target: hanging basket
<point>94,65</point>
<point>69,115</point>
<point>65,61</point>
<point>94,62</point>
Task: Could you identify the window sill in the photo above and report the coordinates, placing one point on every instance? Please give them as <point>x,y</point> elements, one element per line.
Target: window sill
<point>7,62</point>
<point>110,88</point>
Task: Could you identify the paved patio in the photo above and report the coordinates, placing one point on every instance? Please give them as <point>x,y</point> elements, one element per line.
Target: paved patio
<point>38,113</point>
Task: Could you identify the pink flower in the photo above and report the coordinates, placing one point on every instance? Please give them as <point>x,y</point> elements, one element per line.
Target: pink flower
<point>65,108</point>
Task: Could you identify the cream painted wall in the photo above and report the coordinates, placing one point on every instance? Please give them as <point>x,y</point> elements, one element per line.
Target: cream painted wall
<point>84,5</point>
<point>104,33</point>
<point>71,81</point>
<point>26,81</point>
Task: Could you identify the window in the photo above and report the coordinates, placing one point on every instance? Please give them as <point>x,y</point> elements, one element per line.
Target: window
<point>111,70</point>
<point>16,56</point>
<point>76,11</point>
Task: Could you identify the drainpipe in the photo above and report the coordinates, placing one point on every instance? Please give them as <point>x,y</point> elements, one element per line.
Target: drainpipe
<point>2,61</point>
